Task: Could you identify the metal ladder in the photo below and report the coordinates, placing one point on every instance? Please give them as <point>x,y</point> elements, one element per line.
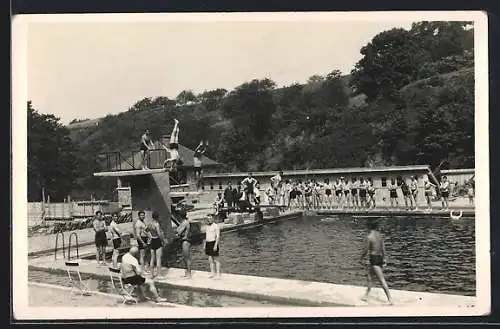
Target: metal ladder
<point>71,264</point>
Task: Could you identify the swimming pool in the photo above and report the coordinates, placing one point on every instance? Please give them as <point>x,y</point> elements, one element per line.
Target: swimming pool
<point>424,254</point>
<point>176,296</point>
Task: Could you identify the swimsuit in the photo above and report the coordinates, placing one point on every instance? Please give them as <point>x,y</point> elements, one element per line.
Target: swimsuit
<point>100,238</point>
<point>393,192</point>
<point>376,260</point>
<point>405,190</point>
<point>144,147</point>
<point>209,249</point>
<point>155,240</point>
<point>362,192</point>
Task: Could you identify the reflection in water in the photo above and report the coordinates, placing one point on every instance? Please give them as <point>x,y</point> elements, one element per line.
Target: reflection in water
<point>177,296</point>
<point>424,254</point>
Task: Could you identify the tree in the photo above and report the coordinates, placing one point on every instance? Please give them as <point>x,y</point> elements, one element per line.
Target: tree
<point>51,157</point>
<point>212,99</point>
<point>163,102</point>
<point>389,61</point>
<point>393,58</point>
<point>443,38</point>
<point>252,105</point>
<point>185,97</point>
<point>143,104</point>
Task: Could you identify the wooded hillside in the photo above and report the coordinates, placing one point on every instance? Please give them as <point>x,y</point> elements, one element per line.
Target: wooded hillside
<point>409,100</point>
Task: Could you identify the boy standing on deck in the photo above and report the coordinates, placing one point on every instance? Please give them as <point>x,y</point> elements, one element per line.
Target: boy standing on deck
<point>116,238</point>
<point>375,249</point>
<point>101,241</point>
<point>211,247</point>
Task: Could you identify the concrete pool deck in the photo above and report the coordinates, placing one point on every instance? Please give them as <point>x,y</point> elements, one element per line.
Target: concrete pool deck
<point>295,292</point>
<point>42,294</point>
<point>467,212</point>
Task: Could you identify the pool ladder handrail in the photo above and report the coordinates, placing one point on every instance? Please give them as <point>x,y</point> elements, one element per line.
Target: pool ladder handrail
<point>61,233</point>
<point>71,265</point>
<point>73,234</point>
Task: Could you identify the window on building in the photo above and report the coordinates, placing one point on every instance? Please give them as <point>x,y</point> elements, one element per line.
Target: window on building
<point>211,185</point>
<point>384,181</point>
<point>220,185</point>
<point>399,180</point>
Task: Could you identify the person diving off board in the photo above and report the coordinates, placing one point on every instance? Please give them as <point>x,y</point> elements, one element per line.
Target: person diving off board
<point>173,149</point>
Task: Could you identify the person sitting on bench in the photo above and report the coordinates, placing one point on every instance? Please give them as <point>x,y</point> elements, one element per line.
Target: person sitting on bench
<point>132,274</point>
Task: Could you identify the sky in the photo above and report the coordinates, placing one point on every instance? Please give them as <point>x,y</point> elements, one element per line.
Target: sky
<point>78,69</point>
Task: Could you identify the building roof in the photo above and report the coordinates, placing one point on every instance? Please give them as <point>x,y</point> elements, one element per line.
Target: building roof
<point>187,156</point>
<point>458,171</point>
<point>417,168</point>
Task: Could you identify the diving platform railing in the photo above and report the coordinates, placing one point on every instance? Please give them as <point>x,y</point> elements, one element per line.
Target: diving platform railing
<point>132,160</point>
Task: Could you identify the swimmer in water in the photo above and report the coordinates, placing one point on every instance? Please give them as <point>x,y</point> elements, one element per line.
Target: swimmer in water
<point>375,250</point>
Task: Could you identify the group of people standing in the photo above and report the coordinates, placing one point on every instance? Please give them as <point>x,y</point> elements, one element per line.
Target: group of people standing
<point>341,193</point>
<point>150,237</point>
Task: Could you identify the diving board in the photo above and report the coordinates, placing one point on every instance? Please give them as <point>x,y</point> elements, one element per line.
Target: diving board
<point>134,172</point>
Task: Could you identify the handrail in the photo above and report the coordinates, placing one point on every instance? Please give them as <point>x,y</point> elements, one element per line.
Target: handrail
<point>69,245</point>
<point>63,246</point>
<point>129,161</point>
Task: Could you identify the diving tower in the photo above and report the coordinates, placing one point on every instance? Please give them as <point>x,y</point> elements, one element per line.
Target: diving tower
<point>149,188</point>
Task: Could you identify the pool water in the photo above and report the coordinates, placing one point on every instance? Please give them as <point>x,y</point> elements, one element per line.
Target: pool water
<point>424,254</point>
<point>176,296</point>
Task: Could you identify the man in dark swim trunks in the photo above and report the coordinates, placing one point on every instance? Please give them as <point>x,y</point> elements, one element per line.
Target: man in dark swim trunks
<point>375,249</point>
<point>142,236</point>
<point>101,241</point>
<point>405,188</point>
<point>249,188</point>
<point>197,164</point>
<point>146,145</point>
